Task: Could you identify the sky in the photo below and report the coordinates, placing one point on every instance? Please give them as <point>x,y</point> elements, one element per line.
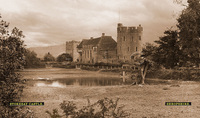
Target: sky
<point>52,22</point>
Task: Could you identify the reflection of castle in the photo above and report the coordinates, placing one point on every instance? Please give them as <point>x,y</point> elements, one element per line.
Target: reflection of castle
<point>106,49</point>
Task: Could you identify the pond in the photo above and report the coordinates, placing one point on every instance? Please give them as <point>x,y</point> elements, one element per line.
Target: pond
<point>89,81</point>
<point>65,77</point>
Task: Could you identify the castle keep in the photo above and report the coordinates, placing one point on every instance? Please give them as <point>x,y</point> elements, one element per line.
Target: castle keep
<point>129,40</point>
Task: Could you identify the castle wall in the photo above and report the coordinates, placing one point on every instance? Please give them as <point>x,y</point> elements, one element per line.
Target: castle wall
<point>108,56</point>
<point>89,54</point>
<point>71,48</point>
<point>129,40</point>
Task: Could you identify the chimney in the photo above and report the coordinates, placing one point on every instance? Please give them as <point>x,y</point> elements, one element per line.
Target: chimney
<point>103,34</point>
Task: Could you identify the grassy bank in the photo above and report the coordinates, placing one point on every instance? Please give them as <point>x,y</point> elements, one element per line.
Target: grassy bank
<point>140,101</point>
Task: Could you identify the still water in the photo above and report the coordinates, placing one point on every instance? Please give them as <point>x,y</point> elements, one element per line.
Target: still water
<point>64,77</point>
<point>97,81</point>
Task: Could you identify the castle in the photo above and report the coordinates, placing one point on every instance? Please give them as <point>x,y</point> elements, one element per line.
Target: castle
<point>105,49</point>
<point>71,49</point>
<point>129,40</point>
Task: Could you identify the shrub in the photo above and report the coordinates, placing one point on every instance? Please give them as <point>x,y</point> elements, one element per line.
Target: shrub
<point>103,108</point>
<point>90,68</point>
<point>185,74</point>
<point>67,66</point>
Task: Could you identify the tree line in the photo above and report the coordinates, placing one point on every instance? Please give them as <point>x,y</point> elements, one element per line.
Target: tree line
<point>32,61</point>
<point>179,47</point>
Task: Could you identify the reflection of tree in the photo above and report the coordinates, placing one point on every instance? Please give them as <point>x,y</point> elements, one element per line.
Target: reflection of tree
<point>91,81</point>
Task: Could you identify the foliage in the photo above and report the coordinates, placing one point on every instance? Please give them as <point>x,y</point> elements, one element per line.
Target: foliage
<point>12,52</point>
<point>16,112</point>
<point>142,63</point>
<point>181,74</point>
<point>55,114</point>
<point>189,32</point>
<point>179,47</point>
<point>103,108</point>
<point>32,61</point>
<point>168,51</point>
<point>64,57</point>
<point>89,68</point>
<point>48,57</point>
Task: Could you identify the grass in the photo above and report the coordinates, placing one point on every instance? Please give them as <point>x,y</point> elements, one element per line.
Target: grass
<point>140,101</point>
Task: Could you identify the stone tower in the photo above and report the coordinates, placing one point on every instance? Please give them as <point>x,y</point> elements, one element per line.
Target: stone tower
<point>129,40</point>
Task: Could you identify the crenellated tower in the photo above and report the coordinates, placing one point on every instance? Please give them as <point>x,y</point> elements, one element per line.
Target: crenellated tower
<point>129,40</point>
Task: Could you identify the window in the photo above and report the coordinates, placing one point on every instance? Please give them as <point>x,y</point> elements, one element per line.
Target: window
<point>136,49</point>
<point>132,38</point>
<point>95,49</point>
<point>124,38</point>
<point>128,49</point>
<point>139,37</point>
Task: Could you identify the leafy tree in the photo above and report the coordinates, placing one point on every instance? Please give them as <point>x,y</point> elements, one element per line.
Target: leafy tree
<point>31,60</point>
<point>168,51</point>
<point>64,57</point>
<point>12,52</point>
<point>48,57</point>
<point>142,63</point>
<point>189,32</point>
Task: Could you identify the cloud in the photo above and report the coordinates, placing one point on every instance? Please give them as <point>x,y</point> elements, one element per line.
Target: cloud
<point>54,22</point>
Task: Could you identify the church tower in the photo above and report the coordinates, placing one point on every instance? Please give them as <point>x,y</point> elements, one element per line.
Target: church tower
<point>129,40</point>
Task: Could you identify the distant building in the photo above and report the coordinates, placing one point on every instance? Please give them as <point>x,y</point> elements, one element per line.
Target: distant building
<point>96,50</point>
<point>71,48</point>
<point>129,40</point>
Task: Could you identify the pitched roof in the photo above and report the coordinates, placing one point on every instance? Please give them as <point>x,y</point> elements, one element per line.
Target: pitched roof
<point>108,43</point>
<point>105,42</point>
<point>93,42</point>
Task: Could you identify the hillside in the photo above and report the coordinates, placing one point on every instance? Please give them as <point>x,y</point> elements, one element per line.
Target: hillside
<point>54,50</point>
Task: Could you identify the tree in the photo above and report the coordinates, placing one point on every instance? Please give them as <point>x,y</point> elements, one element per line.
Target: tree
<point>12,52</point>
<point>31,60</point>
<point>168,52</point>
<point>48,57</point>
<point>142,63</point>
<point>189,32</point>
<point>64,57</point>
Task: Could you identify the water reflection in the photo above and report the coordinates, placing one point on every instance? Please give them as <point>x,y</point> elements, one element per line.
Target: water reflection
<point>79,82</point>
<point>53,84</point>
<point>88,82</point>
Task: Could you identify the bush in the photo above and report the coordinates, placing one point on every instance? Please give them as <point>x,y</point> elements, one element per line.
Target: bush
<point>90,68</point>
<point>103,108</point>
<point>116,70</point>
<point>186,74</point>
<point>67,66</point>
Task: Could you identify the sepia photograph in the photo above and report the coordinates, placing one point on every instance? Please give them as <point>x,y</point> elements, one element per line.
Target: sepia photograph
<point>99,58</point>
